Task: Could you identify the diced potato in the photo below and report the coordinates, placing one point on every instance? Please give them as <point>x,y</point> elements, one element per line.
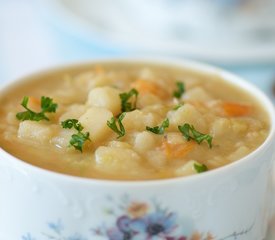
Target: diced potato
<point>35,131</point>
<point>11,118</point>
<point>63,138</point>
<point>239,127</point>
<point>187,114</point>
<point>148,99</point>
<point>119,144</point>
<point>156,158</point>
<point>175,138</point>
<point>94,120</point>
<point>117,160</point>
<point>239,153</point>
<point>221,127</point>
<point>73,112</point>
<point>145,141</point>
<point>138,120</point>
<point>187,169</point>
<point>106,97</point>
<point>197,94</point>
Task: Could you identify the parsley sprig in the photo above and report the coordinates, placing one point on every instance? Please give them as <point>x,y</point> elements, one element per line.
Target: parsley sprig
<point>200,167</point>
<point>180,90</point>
<point>189,132</point>
<point>119,129</point>
<point>47,106</point>
<point>159,129</point>
<point>177,106</point>
<point>78,139</point>
<point>126,104</point>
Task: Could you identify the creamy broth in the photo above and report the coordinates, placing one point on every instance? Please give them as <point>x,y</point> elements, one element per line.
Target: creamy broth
<point>231,123</point>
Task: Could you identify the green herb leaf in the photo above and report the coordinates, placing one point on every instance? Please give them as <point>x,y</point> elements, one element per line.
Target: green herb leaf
<point>120,130</point>
<point>47,105</point>
<point>78,140</point>
<point>159,129</point>
<point>200,167</point>
<point>189,132</point>
<point>72,123</point>
<point>126,105</point>
<point>180,90</point>
<point>177,106</point>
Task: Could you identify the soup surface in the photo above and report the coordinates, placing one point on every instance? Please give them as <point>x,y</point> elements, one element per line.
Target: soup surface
<point>129,122</point>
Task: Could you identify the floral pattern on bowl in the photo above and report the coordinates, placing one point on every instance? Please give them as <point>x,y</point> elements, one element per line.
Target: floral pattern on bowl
<point>133,220</point>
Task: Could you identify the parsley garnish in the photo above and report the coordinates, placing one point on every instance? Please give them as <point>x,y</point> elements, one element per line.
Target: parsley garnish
<point>189,132</point>
<point>72,123</point>
<point>78,139</point>
<point>127,106</point>
<point>159,129</point>
<point>177,106</point>
<point>200,167</point>
<point>47,106</point>
<point>180,90</point>
<point>120,130</point>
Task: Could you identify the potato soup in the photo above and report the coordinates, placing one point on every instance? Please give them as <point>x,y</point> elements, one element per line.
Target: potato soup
<point>130,122</point>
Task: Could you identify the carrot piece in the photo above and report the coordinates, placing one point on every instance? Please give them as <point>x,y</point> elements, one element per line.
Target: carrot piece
<point>236,109</point>
<point>34,104</point>
<point>173,151</point>
<point>144,86</point>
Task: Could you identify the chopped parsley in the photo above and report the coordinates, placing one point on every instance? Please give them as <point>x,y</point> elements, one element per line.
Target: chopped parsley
<point>159,129</point>
<point>126,104</point>
<point>72,123</point>
<point>200,167</point>
<point>112,123</point>
<point>189,132</point>
<point>47,106</point>
<point>180,90</point>
<point>78,139</point>
<point>177,106</point>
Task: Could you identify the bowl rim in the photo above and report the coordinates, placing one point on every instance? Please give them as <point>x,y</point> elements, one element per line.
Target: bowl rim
<point>233,79</point>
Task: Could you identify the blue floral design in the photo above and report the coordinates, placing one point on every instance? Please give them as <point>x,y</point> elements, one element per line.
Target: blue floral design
<point>76,236</point>
<point>55,232</point>
<point>27,237</point>
<point>129,220</point>
<point>56,227</point>
<point>142,221</point>
<point>154,225</point>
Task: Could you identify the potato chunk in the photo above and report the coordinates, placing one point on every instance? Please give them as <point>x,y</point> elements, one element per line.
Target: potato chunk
<point>187,169</point>
<point>94,120</point>
<point>145,141</point>
<point>197,94</point>
<point>138,120</point>
<point>63,138</point>
<point>187,114</point>
<point>74,111</point>
<point>117,160</point>
<point>35,131</point>
<point>106,97</point>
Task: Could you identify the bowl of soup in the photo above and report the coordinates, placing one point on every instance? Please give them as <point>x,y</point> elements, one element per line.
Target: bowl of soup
<point>135,149</point>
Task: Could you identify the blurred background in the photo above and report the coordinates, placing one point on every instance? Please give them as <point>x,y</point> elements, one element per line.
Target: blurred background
<point>238,35</point>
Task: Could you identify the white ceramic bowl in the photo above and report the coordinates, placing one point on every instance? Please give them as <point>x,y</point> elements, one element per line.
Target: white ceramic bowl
<point>232,202</point>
